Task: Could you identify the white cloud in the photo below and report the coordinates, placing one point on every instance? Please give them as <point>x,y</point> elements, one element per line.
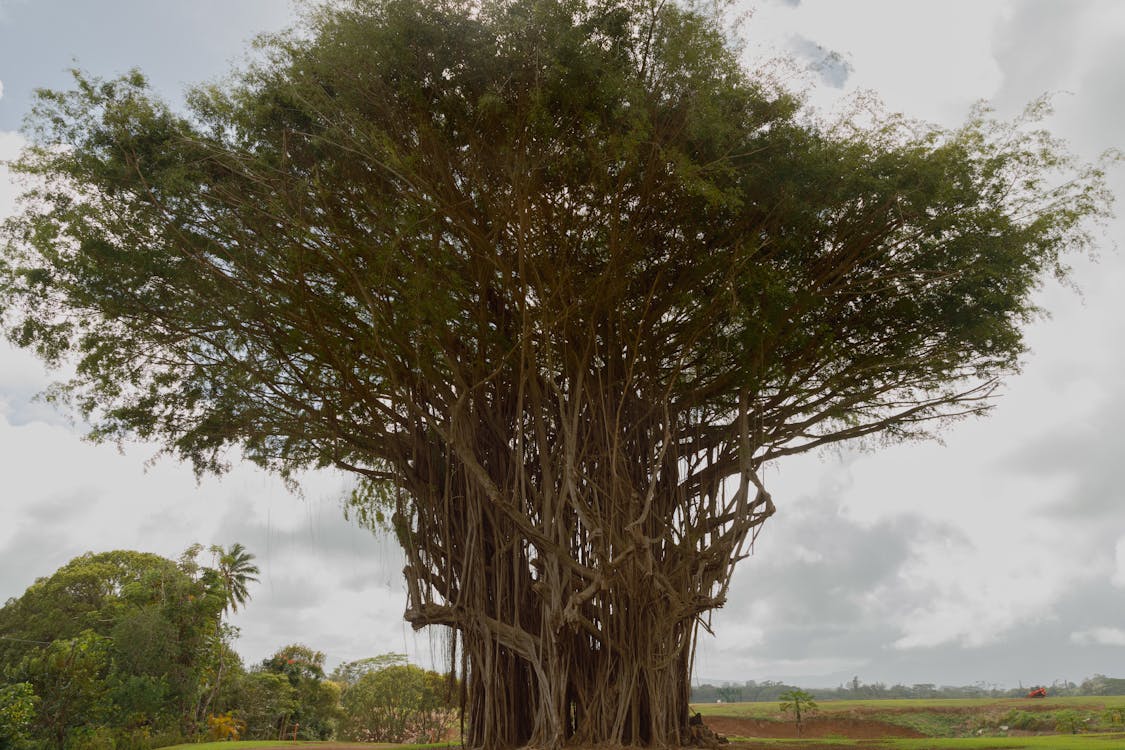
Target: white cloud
<point>972,594</point>
<point>929,60</point>
<point>1099,637</point>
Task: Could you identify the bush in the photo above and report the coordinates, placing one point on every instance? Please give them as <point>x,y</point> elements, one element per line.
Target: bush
<point>90,738</point>
<point>225,727</point>
<point>397,704</point>
<point>1027,721</point>
<point>17,710</point>
<point>1070,721</point>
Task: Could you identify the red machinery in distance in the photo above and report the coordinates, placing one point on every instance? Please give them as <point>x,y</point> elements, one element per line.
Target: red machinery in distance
<point>1039,692</point>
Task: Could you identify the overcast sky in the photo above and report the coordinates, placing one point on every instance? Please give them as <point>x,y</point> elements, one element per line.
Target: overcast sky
<point>997,557</point>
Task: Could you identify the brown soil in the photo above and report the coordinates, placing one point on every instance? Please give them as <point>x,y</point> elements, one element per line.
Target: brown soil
<point>835,727</point>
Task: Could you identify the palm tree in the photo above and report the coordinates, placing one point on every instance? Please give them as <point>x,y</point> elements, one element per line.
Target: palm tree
<point>236,569</point>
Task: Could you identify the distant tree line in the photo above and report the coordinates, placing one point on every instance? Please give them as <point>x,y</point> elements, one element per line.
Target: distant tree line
<point>128,650</point>
<point>770,690</point>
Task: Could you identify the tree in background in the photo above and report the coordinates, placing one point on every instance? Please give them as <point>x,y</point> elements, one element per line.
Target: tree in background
<point>235,568</point>
<point>348,673</point>
<point>120,642</point>
<point>798,702</point>
<point>555,279</point>
<point>70,678</point>
<point>397,703</point>
<point>315,701</point>
<point>730,693</point>
<point>266,702</point>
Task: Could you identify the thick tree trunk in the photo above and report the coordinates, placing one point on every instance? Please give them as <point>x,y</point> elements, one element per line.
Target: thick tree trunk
<point>578,695</point>
<point>573,567</point>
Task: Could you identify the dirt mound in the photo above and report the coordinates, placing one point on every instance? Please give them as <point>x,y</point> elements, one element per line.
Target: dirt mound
<point>837,727</point>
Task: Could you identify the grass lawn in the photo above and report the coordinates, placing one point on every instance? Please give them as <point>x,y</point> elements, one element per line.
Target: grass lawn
<point>257,744</point>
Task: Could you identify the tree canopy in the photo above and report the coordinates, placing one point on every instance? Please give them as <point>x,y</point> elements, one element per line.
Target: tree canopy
<point>120,639</point>
<point>554,279</point>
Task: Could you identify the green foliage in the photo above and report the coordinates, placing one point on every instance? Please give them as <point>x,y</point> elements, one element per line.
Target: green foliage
<point>799,703</point>
<point>729,693</point>
<point>312,708</point>
<point>1028,721</point>
<point>1099,684</point>
<point>398,703</point>
<point>225,727</point>
<point>70,677</point>
<point>17,711</point>
<point>1114,717</point>
<point>128,642</point>
<point>236,568</point>
<point>91,737</point>
<point>348,673</point>
<point>1070,721</point>
<point>173,256</point>
<point>297,662</point>
<point>267,701</point>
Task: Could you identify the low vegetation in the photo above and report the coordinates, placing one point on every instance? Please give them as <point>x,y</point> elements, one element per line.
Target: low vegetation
<point>130,651</point>
<point>1058,723</point>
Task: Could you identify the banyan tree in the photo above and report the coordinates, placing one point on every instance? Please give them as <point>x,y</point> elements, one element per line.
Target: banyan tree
<point>554,279</point>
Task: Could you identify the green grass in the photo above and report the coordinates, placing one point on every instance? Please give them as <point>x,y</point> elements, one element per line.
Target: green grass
<point>1052,742</point>
<point>255,744</point>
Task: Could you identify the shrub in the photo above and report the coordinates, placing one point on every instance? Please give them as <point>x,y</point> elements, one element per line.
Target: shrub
<point>17,710</point>
<point>225,726</point>
<point>1027,721</point>
<point>1070,721</point>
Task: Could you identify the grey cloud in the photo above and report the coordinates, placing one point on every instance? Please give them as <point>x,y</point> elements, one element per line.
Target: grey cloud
<point>326,535</point>
<point>287,595</point>
<point>1038,651</point>
<point>373,577</point>
<point>61,508</point>
<point>824,586</point>
<point>1088,458</point>
<point>1100,108</point>
<point>831,66</point>
<point>1036,48</point>
<point>31,554</point>
<point>839,612</point>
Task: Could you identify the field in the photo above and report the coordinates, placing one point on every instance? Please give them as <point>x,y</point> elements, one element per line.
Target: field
<point>963,724</point>
<point>1083,723</point>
